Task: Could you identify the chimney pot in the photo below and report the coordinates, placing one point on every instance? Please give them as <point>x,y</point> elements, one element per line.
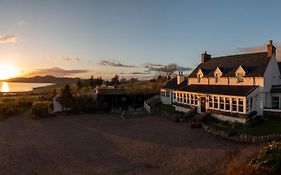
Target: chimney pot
<point>270,49</point>
<point>205,57</point>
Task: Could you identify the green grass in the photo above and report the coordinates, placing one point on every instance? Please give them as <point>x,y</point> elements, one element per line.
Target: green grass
<point>263,127</point>
<point>167,108</point>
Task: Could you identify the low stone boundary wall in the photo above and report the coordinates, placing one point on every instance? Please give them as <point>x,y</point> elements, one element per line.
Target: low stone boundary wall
<point>213,131</point>
<point>243,137</point>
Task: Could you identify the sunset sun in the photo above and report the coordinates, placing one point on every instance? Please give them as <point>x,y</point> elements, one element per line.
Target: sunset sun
<point>8,71</point>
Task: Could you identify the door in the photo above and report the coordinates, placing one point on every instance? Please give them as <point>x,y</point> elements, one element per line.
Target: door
<point>203,104</point>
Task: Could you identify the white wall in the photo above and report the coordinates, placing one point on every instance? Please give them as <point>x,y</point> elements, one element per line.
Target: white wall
<point>271,75</point>
<point>249,81</point>
<point>166,99</point>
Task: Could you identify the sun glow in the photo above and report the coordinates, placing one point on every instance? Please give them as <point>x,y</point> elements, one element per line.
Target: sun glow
<point>7,71</point>
<point>5,87</point>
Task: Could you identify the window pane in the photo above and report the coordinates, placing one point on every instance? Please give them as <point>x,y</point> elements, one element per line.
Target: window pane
<point>227,103</point>
<point>241,105</point>
<point>222,103</point>
<point>234,104</point>
<point>216,102</point>
<point>275,102</point>
<point>210,102</point>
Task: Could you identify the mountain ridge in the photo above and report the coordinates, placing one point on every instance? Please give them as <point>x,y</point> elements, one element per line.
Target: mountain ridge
<point>43,79</point>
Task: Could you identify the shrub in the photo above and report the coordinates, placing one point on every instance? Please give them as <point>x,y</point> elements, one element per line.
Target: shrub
<point>269,159</point>
<point>40,109</point>
<point>83,104</point>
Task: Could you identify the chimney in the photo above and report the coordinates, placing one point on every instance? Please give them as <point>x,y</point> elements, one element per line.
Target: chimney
<point>205,57</point>
<point>180,77</point>
<point>270,49</point>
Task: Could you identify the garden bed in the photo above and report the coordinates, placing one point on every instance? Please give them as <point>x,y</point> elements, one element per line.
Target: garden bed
<point>257,131</point>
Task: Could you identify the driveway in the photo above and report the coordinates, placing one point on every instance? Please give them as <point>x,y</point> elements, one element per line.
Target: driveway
<point>105,144</point>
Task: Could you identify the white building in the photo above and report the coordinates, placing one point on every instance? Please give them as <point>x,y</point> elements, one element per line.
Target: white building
<point>232,88</point>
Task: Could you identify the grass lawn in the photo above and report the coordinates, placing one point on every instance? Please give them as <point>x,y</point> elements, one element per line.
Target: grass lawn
<point>265,127</point>
<point>167,108</point>
<point>262,127</point>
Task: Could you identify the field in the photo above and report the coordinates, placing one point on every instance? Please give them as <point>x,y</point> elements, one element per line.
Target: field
<point>105,144</point>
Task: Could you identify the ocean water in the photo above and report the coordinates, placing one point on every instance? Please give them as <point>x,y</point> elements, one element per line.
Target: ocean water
<point>20,87</point>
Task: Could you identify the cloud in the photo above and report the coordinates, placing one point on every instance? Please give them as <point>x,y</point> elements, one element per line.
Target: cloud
<point>181,68</point>
<point>20,23</point>
<point>261,48</point>
<point>56,71</point>
<point>8,39</point>
<point>148,65</point>
<point>70,59</point>
<point>113,63</point>
<point>139,73</point>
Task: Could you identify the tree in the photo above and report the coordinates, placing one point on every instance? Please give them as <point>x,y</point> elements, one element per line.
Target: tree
<point>115,80</point>
<point>92,82</point>
<point>66,98</point>
<point>79,84</point>
<point>123,80</point>
<point>168,70</point>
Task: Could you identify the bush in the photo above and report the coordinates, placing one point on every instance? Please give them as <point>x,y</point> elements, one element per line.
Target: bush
<point>268,159</point>
<point>83,104</point>
<point>40,109</point>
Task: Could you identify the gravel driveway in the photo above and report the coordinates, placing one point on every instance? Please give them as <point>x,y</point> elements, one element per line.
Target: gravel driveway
<point>104,144</point>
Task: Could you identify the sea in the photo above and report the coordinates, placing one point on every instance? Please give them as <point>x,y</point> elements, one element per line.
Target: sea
<point>20,87</point>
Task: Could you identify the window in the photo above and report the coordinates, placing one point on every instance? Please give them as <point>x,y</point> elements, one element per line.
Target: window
<point>199,76</point>
<point>184,97</point>
<point>222,103</point>
<point>180,97</point>
<point>227,103</point>
<point>210,102</point>
<point>275,102</point>
<point>216,102</point>
<point>192,99</point>
<point>216,78</point>
<point>174,96</point>
<point>240,105</point>
<point>163,94</point>
<point>168,94</point>
<point>188,99</point>
<point>239,77</point>
<point>195,99</point>
<point>248,107</point>
<point>234,104</point>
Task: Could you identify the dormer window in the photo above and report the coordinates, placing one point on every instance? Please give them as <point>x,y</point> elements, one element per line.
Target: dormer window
<point>199,78</point>
<point>199,75</point>
<point>240,72</point>
<point>217,74</point>
<point>240,78</point>
<point>216,78</point>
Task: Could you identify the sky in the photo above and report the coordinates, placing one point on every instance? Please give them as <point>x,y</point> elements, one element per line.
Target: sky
<point>129,37</point>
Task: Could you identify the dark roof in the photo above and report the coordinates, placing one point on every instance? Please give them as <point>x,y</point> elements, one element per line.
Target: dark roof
<point>275,89</point>
<point>172,84</point>
<point>279,66</point>
<point>220,89</point>
<point>253,63</point>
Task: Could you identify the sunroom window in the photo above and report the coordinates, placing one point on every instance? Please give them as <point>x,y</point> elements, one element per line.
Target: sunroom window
<point>222,103</point>
<point>210,102</point>
<point>240,105</point>
<point>234,104</point>
<point>275,103</point>
<point>227,103</point>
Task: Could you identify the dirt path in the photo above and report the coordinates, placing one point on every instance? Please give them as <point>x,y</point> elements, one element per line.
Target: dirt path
<point>104,144</point>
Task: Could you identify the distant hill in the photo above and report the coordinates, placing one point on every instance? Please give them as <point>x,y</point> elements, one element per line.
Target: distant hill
<point>43,79</point>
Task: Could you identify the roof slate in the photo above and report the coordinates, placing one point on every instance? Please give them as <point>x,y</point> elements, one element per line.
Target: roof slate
<point>253,63</point>
<point>172,84</point>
